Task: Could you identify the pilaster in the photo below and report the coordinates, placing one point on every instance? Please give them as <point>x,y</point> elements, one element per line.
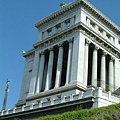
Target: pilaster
<point>34,74</point>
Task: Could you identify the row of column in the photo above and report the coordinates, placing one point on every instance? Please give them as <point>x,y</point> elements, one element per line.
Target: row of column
<point>39,79</point>
<point>36,81</point>
<point>95,67</point>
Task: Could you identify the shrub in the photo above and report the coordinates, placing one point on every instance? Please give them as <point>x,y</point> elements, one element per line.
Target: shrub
<point>111,112</point>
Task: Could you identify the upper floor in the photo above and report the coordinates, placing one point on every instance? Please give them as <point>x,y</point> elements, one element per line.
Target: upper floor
<point>80,11</point>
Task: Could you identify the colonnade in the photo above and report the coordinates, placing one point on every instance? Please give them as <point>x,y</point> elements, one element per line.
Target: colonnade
<point>101,70</point>
<point>54,67</point>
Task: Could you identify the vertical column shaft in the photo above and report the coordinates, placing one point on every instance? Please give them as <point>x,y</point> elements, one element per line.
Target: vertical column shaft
<point>69,62</point>
<point>63,25</point>
<point>72,21</point>
<point>40,75</point>
<point>111,77</point>
<point>86,61</point>
<point>94,67</point>
<point>49,71</point>
<point>59,66</point>
<point>103,71</point>
<point>88,22</point>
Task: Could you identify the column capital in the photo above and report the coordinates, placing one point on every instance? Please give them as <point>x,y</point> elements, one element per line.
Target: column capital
<point>112,58</point>
<point>87,41</point>
<point>60,45</point>
<point>50,49</point>
<point>70,40</point>
<point>42,52</point>
<point>96,47</point>
<point>104,53</point>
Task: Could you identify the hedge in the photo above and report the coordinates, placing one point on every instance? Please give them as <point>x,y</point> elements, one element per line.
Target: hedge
<point>111,112</point>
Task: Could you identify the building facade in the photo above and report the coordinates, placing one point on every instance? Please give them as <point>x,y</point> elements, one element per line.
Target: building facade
<point>76,61</point>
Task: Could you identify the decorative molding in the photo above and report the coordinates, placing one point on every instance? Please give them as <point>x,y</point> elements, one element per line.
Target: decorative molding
<point>87,41</point>
<point>96,47</point>
<point>60,45</point>
<point>29,53</point>
<point>42,52</point>
<point>112,58</point>
<point>104,53</point>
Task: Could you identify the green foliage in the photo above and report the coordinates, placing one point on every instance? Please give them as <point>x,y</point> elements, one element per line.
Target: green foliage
<point>111,112</point>
<point>16,119</point>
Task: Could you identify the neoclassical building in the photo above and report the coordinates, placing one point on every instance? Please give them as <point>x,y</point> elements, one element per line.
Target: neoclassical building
<point>75,61</point>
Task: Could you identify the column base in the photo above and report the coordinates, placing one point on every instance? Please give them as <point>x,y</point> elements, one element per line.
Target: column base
<point>72,88</point>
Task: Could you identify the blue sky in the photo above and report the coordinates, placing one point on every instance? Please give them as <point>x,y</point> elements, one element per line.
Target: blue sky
<point>17,33</point>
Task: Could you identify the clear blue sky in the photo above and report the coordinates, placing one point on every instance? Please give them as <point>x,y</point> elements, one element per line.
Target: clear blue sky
<point>17,33</point>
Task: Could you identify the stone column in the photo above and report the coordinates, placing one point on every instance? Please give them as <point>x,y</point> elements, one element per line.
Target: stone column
<point>94,67</point>
<point>96,28</point>
<point>34,74</point>
<point>111,40</point>
<point>103,71</point>
<point>85,72</point>
<point>104,34</point>
<point>111,75</point>
<point>59,66</point>
<point>49,71</point>
<point>63,25</point>
<point>46,34</point>
<point>69,61</point>
<point>40,75</point>
<point>39,35</point>
<point>54,29</point>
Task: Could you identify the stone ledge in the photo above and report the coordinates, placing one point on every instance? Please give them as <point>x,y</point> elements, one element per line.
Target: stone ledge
<point>71,86</point>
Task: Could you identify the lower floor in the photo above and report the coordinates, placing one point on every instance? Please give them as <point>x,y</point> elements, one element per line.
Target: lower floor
<point>71,98</point>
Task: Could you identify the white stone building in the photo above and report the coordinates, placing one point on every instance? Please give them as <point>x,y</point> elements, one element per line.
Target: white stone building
<point>76,61</point>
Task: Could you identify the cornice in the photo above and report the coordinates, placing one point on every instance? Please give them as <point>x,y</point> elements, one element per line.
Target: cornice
<point>83,3</point>
<point>28,53</point>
